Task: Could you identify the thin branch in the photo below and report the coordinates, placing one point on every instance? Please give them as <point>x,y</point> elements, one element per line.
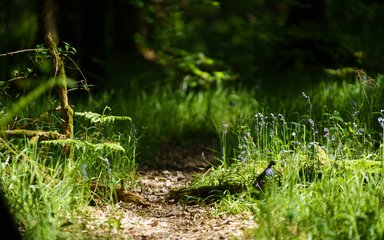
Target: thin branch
<point>17,52</point>
<point>16,78</point>
<point>81,73</point>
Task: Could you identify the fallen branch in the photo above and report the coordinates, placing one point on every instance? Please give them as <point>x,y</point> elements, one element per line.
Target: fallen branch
<point>42,135</point>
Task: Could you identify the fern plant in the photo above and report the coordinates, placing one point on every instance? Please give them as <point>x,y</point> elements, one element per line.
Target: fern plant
<point>94,138</point>
<point>96,118</point>
<point>79,144</point>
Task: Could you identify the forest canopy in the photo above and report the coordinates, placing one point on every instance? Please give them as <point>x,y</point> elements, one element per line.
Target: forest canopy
<point>253,42</point>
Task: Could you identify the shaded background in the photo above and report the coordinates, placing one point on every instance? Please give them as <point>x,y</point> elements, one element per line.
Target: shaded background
<point>251,43</point>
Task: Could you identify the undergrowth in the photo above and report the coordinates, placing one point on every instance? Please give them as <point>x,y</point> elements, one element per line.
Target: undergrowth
<point>327,141</point>
<point>328,180</point>
<point>163,113</point>
<point>45,189</point>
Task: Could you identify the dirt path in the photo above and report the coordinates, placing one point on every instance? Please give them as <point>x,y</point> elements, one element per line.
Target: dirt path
<point>163,219</point>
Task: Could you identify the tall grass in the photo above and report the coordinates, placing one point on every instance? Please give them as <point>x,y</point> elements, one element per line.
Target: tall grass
<point>342,205</point>
<point>46,190</point>
<point>42,195</point>
<point>311,200</point>
<point>164,110</point>
<point>162,113</point>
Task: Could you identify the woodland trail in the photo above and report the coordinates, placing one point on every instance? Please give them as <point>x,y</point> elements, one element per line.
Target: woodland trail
<point>161,218</point>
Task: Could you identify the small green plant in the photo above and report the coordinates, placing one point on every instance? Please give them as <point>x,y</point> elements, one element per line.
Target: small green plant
<point>105,151</point>
<point>197,71</point>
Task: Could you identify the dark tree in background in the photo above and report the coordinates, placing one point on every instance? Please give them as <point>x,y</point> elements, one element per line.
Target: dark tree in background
<point>103,31</point>
<point>262,42</point>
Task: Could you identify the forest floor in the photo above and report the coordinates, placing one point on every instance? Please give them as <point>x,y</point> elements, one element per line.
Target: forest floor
<point>162,218</point>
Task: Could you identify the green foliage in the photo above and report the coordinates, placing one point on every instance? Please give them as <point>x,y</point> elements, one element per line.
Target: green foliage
<point>99,147</point>
<point>334,192</point>
<point>163,113</point>
<point>109,138</point>
<point>337,207</point>
<point>42,194</point>
<point>329,191</point>
<point>197,71</point>
<point>261,42</point>
<point>26,100</point>
<point>44,187</point>
<point>96,118</point>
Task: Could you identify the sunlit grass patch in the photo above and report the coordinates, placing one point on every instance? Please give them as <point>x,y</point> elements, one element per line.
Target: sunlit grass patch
<point>44,187</point>
<point>163,113</point>
<point>40,195</point>
<point>336,206</point>
<point>330,163</point>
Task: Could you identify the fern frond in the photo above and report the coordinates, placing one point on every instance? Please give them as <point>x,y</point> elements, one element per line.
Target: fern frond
<point>96,118</point>
<point>112,146</point>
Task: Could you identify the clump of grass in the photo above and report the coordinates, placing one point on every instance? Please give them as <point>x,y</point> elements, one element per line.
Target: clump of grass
<point>356,94</point>
<point>45,189</point>
<point>340,205</point>
<point>41,194</point>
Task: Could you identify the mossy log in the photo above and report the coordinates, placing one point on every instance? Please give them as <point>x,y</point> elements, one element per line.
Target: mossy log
<point>42,135</point>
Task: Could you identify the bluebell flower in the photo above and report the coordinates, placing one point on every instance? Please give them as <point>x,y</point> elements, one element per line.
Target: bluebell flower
<point>258,115</point>
<point>269,171</point>
<point>381,121</point>
<point>308,98</point>
<point>312,123</point>
<point>108,164</point>
<point>243,156</point>
<point>84,171</point>
<point>326,132</point>
<point>225,127</point>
